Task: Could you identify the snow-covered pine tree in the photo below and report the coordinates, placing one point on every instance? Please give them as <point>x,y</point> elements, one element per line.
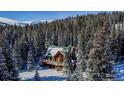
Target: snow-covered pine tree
<point>40,43</point>
<point>7,58</point>
<point>4,73</point>
<point>79,72</point>
<point>30,60</point>
<point>107,55</point>
<point>97,55</point>
<point>13,71</point>
<point>65,63</point>
<point>17,56</point>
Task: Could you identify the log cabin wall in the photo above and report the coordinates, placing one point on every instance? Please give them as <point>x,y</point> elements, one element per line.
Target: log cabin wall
<point>58,57</point>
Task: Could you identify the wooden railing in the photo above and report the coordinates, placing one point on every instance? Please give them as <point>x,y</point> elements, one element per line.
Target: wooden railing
<point>57,65</point>
<point>51,62</point>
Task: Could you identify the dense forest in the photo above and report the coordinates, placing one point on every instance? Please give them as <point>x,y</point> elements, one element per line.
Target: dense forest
<point>98,39</point>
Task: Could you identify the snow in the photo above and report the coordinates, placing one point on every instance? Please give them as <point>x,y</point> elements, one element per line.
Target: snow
<point>7,20</point>
<point>2,19</point>
<point>14,22</point>
<point>36,22</point>
<point>53,51</point>
<point>46,74</point>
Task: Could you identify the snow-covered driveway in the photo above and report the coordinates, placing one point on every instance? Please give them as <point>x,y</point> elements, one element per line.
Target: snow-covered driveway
<point>45,75</point>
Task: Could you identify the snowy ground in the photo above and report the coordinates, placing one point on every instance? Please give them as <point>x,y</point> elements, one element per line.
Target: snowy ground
<point>46,74</point>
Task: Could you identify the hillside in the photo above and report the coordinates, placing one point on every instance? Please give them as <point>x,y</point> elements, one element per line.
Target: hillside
<point>97,39</point>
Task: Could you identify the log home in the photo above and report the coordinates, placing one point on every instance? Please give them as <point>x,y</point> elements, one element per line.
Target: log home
<point>54,57</point>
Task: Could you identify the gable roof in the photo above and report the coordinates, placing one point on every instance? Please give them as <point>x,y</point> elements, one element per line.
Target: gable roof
<point>54,50</point>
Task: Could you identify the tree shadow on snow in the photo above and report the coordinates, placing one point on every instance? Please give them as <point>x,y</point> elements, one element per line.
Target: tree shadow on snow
<point>49,78</point>
<point>53,78</point>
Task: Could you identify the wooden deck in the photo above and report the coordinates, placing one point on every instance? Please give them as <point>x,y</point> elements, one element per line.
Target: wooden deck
<point>53,64</point>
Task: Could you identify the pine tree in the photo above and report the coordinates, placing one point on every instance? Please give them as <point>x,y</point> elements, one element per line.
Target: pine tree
<point>4,73</point>
<point>79,72</point>
<point>7,58</point>
<point>97,55</point>
<point>40,39</point>
<point>30,61</point>
<point>13,71</point>
<point>67,63</point>
<point>17,56</point>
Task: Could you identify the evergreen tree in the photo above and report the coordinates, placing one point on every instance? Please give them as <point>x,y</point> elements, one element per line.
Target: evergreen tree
<point>4,73</point>
<point>30,61</point>
<point>17,56</point>
<point>81,65</point>
<point>13,71</point>
<point>8,59</point>
<point>66,63</point>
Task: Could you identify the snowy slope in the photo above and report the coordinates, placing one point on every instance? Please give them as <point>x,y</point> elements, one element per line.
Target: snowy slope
<point>45,75</point>
<point>36,22</point>
<point>9,21</point>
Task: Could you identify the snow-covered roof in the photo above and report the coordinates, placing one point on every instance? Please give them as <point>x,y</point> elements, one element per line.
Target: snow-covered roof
<point>54,50</point>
